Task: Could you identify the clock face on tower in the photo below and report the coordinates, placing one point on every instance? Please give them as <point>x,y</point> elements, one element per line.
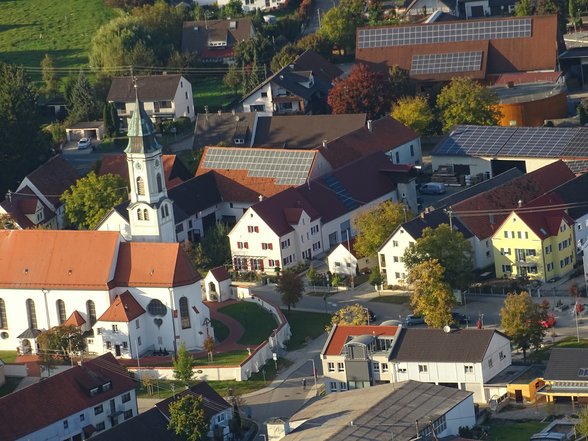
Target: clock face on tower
<point>138,165</point>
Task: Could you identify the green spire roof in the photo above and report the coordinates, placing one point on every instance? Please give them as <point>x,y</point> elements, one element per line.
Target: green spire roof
<point>141,132</point>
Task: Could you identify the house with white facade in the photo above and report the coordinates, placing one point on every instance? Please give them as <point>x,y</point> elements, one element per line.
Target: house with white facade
<point>97,274</point>
<point>152,424</point>
<point>164,97</point>
<point>465,359</point>
<point>300,223</point>
<point>36,201</point>
<point>298,88</point>
<point>72,405</point>
<point>404,411</point>
<point>344,260</point>
<point>217,285</point>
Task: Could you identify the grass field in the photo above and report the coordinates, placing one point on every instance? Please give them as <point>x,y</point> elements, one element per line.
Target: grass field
<point>8,356</point>
<point>567,342</point>
<point>397,300</point>
<point>501,430</point>
<point>221,331</point>
<point>211,92</point>
<point>62,28</point>
<point>305,326</point>
<point>257,322</point>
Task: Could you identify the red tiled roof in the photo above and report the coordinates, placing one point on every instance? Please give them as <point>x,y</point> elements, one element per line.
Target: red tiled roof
<point>75,319</point>
<point>343,332</point>
<point>544,223</point>
<point>153,264</point>
<point>57,259</point>
<point>507,197</point>
<point>117,165</point>
<point>220,273</point>
<point>217,53</point>
<point>236,186</point>
<point>124,309</point>
<point>386,134</point>
<point>61,396</point>
<point>53,178</point>
<point>22,203</point>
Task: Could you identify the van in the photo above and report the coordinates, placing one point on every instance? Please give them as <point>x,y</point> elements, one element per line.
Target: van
<point>433,188</point>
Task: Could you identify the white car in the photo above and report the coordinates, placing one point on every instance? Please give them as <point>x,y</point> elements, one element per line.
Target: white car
<point>84,143</point>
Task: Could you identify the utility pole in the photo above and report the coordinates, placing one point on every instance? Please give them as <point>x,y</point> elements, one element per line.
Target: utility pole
<point>318,11</point>
<point>449,212</point>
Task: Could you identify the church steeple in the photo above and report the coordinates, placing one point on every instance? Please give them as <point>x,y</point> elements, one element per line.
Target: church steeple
<point>141,132</point>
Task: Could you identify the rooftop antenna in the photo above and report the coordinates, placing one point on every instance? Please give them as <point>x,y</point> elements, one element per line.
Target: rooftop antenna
<point>9,196</point>
<point>206,112</point>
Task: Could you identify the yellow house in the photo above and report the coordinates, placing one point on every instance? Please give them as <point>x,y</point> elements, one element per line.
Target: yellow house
<point>537,244</point>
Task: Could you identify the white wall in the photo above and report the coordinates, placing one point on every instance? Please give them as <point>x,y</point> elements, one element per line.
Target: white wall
<point>461,415</point>
<point>341,261</point>
<point>257,99</point>
<point>393,250</point>
<point>581,231</point>
<point>115,222</point>
<point>407,153</point>
<point>183,100</point>
<point>470,5</point>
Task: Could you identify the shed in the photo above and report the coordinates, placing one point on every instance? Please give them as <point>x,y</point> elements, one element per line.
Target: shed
<point>217,285</point>
<point>343,260</point>
<point>85,129</point>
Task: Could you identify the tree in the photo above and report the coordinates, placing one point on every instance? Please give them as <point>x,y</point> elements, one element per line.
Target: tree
<point>233,79</point>
<point>400,83</point>
<point>376,278</point>
<point>464,101</point>
<point>91,197</point>
<point>284,57</point>
<point>62,341</point>
<point>291,287</point>
<point>414,112</point>
<point>582,115</point>
<point>81,100</point>
<point>374,226</point>
<point>547,7</point>
<point>23,145</point>
<point>49,77</point>
<point>7,222</point>
<point>449,248</point>
<point>316,43</point>
<point>432,297</point>
<point>523,8</point>
<point>257,48</point>
<point>582,425</point>
<point>338,25</point>
<point>233,9</point>
<point>183,365</point>
<point>354,315</point>
<point>362,91</point>
<point>209,346</point>
<point>57,133</point>
<point>521,320</point>
<point>182,61</point>
<point>216,246</point>
<point>186,418</point>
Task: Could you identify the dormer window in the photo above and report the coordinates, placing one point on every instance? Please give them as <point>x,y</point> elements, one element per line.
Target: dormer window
<point>239,141</point>
<point>94,391</point>
<point>106,386</point>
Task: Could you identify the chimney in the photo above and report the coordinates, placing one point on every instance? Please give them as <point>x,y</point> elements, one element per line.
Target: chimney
<point>369,125</point>
<point>233,112</point>
<point>325,143</point>
<point>220,112</point>
<point>277,428</point>
<point>520,203</point>
<point>260,197</point>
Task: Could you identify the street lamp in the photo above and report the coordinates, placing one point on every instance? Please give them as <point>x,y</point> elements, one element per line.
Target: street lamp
<point>313,373</point>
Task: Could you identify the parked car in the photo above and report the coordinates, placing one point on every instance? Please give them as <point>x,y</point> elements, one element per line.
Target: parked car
<point>459,318</point>
<point>372,315</point>
<point>562,307</point>
<point>432,188</point>
<point>549,322</point>
<point>412,319</point>
<point>84,143</point>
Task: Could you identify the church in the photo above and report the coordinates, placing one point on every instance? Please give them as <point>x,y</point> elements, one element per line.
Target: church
<point>130,298</point>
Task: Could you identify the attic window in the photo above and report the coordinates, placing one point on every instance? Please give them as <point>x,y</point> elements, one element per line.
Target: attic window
<point>106,386</point>
<point>543,231</point>
<point>94,392</point>
<point>583,372</point>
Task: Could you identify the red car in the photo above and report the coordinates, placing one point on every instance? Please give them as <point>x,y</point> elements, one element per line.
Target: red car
<point>549,322</point>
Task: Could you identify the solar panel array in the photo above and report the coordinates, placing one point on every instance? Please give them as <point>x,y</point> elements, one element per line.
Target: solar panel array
<point>341,192</point>
<point>285,166</point>
<point>446,63</point>
<point>444,33</point>
<point>544,142</point>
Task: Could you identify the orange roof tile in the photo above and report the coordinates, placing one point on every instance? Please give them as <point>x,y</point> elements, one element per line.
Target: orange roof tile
<point>57,259</point>
<point>342,332</point>
<point>124,309</point>
<point>75,319</point>
<point>235,185</point>
<point>153,264</point>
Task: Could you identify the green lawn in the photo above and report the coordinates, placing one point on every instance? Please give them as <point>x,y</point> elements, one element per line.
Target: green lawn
<point>8,356</point>
<point>257,322</point>
<point>567,342</point>
<point>9,386</point>
<point>221,331</point>
<point>398,300</point>
<point>226,358</point>
<point>62,28</point>
<point>305,326</point>
<point>256,382</point>
<point>211,92</point>
<point>502,430</point>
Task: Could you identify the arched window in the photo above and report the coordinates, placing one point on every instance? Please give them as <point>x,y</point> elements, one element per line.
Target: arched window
<point>3,321</point>
<point>140,186</point>
<point>139,214</point>
<point>31,314</point>
<point>166,208</point>
<point>145,214</point>
<point>91,312</point>
<point>184,313</point>
<point>159,185</point>
<point>60,304</point>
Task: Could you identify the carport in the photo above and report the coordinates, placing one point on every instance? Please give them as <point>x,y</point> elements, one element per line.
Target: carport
<point>86,129</point>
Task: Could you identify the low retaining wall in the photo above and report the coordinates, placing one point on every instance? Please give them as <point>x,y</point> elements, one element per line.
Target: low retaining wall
<point>258,357</point>
<point>15,370</point>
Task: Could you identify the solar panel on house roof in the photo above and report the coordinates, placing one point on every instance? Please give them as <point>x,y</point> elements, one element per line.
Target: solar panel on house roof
<point>578,145</point>
<point>475,140</point>
<point>287,167</point>
<point>538,142</point>
<point>446,63</point>
<point>444,33</point>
